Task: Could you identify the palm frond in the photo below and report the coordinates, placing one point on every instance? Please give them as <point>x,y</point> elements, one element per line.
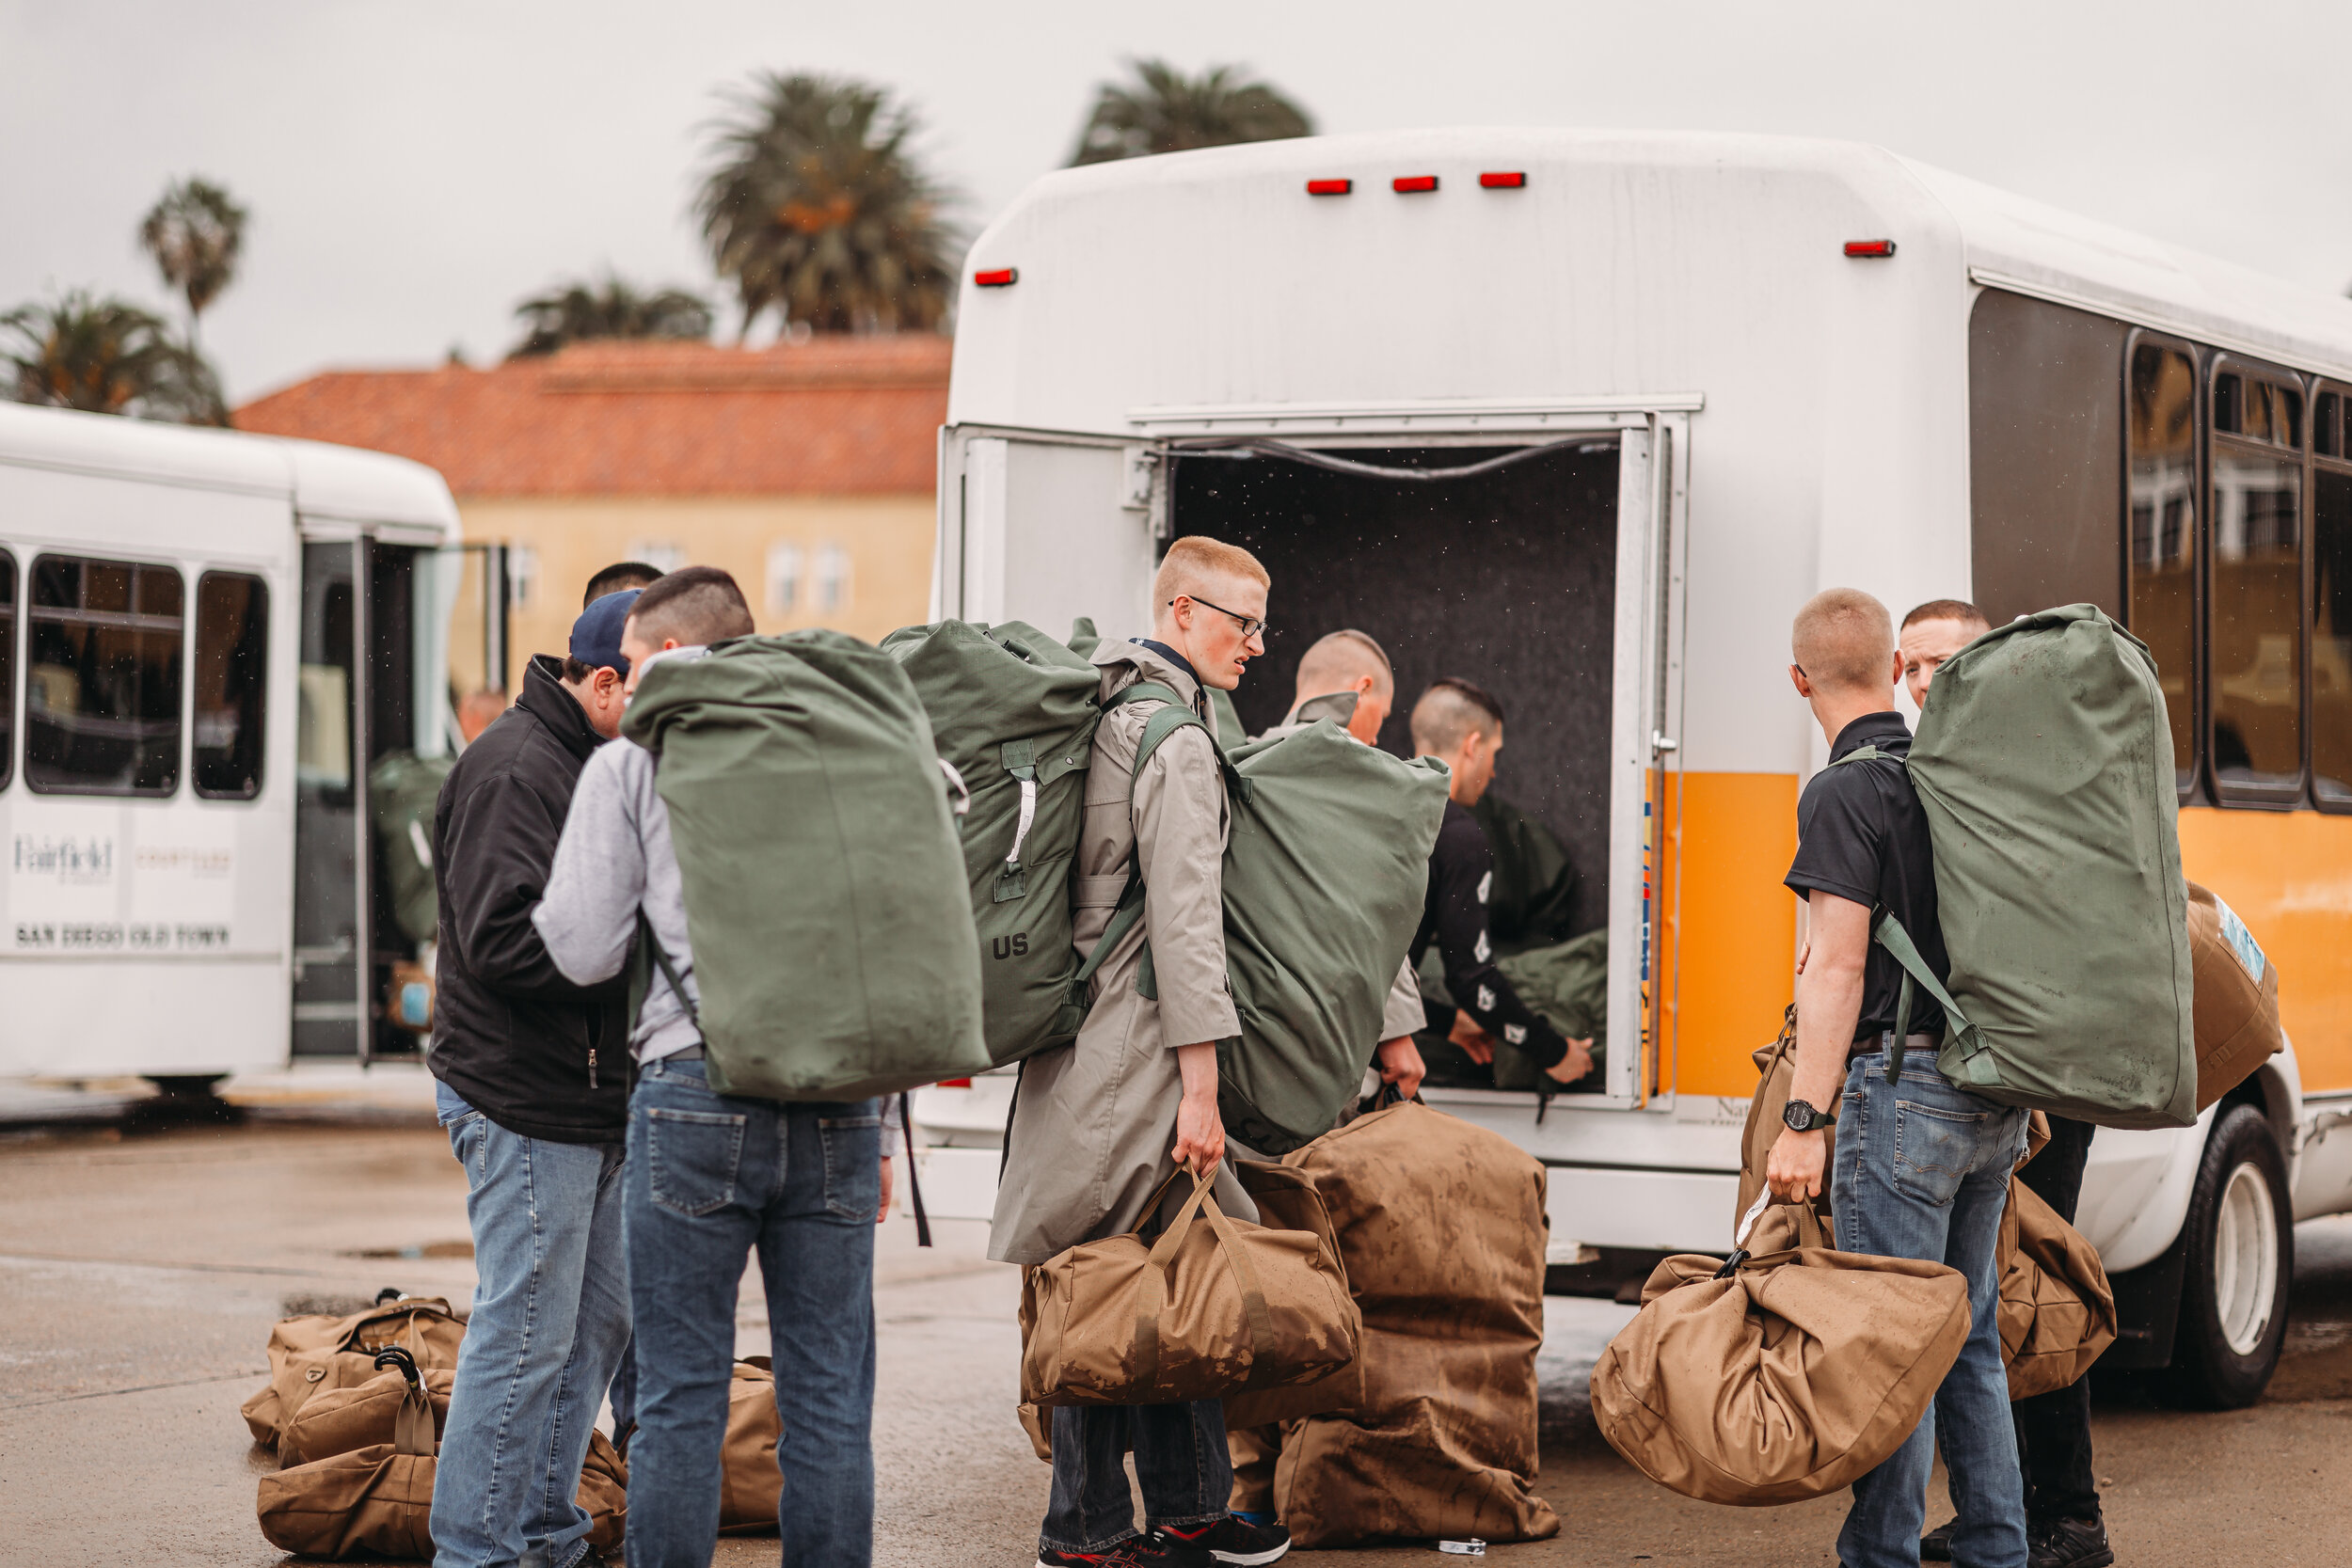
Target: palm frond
<point>1160,109</point>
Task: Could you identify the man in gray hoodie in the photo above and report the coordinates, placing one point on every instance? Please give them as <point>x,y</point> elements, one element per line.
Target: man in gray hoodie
<point>717,1176</point>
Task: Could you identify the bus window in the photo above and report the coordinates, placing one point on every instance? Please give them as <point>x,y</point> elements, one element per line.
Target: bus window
<point>2254,629</point>
<point>2332,609</point>
<point>231,682</point>
<point>8,668</point>
<point>102,682</point>
<point>2161,421</point>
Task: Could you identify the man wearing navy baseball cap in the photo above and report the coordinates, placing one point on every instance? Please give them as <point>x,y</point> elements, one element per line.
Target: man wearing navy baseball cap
<point>534,1094</point>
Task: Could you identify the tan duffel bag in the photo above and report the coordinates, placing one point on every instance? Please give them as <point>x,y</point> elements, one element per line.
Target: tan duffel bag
<point>1772,1379</point>
<point>359,1415</point>
<point>750,1487</point>
<point>309,1356</point>
<point>1214,1306</point>
<point>2236,1010</point>
<point>2056,1311</point>
<point>378,1500</point>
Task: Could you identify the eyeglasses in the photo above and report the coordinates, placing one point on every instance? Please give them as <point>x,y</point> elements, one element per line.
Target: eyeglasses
<point>1251,625</point>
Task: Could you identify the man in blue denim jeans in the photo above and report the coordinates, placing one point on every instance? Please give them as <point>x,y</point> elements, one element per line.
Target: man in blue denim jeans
<point>710,1177</point>
<point>532,1089</point>
<point>1923,1169</point>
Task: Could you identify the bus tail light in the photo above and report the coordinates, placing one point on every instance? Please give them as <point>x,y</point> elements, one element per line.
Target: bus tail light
<point>1870,248</point>
<point>997,278</point>
<point>1411,183</point>
<point>1329,187</point>
<point>1505,180</point>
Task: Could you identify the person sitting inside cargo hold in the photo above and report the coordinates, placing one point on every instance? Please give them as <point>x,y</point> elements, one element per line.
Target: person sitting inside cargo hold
<point>1461,725</point>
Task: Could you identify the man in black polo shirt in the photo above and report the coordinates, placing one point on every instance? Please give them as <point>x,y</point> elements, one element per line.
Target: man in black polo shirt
<point>1923,1167</point>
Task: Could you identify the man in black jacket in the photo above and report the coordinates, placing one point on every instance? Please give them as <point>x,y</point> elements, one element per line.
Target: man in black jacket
<point>533,1092</point>
<point>1462,726</point>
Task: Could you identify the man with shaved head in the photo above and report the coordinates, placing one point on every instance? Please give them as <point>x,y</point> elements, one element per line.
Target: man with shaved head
<point>1923,1165</point>
<point>1461,725</point>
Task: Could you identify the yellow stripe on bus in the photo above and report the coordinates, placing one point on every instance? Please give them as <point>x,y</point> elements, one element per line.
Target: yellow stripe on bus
<point>2288,873</point>
<point>1728,928</point>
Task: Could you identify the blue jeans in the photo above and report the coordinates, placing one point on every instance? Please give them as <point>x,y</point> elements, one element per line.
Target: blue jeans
<point>550,1324</point>
<point>710,1179</point>
<point>1923,1172</point>
<point>1182,1464</point>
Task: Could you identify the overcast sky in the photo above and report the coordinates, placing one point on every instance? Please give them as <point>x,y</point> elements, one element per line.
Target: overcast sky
<point>414,168</point>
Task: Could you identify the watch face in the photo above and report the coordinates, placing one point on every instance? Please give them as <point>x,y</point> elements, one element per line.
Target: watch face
<point>1799,1116</point>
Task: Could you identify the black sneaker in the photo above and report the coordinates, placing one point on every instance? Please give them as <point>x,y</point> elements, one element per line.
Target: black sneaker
<point>1936,1546</point>
<point>1136,1551</point>
<point>1232,1539</point>
<point>2068,1543</point>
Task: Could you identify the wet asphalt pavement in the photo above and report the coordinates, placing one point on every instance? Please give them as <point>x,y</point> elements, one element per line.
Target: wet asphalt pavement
<point>142,1265</point>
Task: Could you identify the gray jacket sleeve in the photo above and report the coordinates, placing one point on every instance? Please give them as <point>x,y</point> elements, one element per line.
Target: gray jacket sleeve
<point>1179,842</point>
<point>1402,1014</point>
<point>588,915</point>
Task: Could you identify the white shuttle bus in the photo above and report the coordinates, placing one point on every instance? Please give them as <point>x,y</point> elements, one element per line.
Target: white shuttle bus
<point>1690,380</point>
<point>205,640</point>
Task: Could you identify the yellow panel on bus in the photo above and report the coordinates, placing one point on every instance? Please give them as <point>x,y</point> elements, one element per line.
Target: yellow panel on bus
<point>2289,877</point>
<point>1727,963</point>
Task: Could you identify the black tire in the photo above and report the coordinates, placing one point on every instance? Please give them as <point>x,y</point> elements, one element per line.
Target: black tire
<point>2240,1226</point>
<point>188,1086</point>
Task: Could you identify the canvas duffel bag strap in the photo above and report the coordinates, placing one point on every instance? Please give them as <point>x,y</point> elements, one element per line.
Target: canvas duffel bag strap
<point>1152,1298</point>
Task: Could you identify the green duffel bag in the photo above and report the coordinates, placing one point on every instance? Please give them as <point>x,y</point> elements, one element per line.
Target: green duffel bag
<point>1327,870</point>
<point>825,892</point>
<point>1013,711</point>
<point>2045,765</point>
<point>403,790</point>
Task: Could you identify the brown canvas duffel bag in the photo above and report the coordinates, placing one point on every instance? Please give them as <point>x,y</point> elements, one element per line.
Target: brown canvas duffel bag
<point>1441,1227</point>
<point>750,1487</point>
<point>1765,1380</point>
<point>2237,1008</point>
<point>309,1356</point>
<point>378,1500</point>
<point>1213,1306</point>
<point>2057,1310</point>
<point>359,1415</point>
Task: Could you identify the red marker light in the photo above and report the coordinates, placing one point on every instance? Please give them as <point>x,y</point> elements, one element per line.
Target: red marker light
<point>955,1082</point>
<point>999,278</point>
<point>1511,180</point>
<point>1329,187</point>
<point>1870,248</point>
<point>1413,182</point>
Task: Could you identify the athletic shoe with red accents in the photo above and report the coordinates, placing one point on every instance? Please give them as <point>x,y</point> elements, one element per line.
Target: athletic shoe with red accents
<point>1234,1540</point>
<point>1136,1551</point>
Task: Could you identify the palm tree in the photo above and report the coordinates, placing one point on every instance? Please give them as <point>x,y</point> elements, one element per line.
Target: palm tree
<point>194,232</point>
<point>576,313</point>
<point>1162,110</point>
<point>107,356</point>
<point>817,208</point>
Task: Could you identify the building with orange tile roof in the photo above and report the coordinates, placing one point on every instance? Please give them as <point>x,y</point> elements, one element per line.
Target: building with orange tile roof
<point>806,469</point>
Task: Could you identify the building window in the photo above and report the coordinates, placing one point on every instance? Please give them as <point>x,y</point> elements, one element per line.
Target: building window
<point>783,577</point>
<point>833,579</point>
<point>2161,428</point>
<point>103,688</point>
<point>657,553</point>
<point>2254,625</point>
<point>232,678</point>
<point>522,575</point>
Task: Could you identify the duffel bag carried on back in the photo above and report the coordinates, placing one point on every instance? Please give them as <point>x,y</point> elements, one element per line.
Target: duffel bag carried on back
<point>1765,1380</point>
<point>1014,712</point>
<point>1214,1306</point>
<point>825,888</point>
<point>2237,997</point>
<point>1326,873</point>
<point>2045,765</point>
<point>314,1353</point>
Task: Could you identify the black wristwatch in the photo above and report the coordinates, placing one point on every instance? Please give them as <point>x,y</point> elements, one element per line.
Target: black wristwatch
<point>1802,1117</point>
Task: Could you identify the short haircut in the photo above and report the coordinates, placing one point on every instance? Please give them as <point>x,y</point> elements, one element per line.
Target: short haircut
<point>1194,561</point>
<point>1343,655</point>
<point>1948,610</point>
<point>619,577</point>
<point>694,605</point>
<point>1844,641</point>
<point>1450,709</point>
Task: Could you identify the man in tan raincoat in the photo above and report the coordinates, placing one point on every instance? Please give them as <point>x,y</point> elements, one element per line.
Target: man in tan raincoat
<point>1099,1124</point>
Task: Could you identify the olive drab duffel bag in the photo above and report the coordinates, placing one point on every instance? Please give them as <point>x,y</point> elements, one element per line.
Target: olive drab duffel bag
<point>2044,763</point>
<point>1214,1304</point>
<point>804,764</point>
<point>1772,1379</point>
<point>315,1353</point>
<point>1013,711</point>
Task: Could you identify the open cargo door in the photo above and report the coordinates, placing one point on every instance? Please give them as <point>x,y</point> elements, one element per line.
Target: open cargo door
<point>1045,529</point>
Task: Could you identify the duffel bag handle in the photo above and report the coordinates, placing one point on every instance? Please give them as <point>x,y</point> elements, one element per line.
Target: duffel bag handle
<point>1807,1221</point>
<point>412,1428</point>
<point>1153,1299</point>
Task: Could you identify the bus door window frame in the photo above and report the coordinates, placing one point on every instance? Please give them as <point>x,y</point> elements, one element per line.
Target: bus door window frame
<point>12,622</point>
<point>2339,464</point>
<point>2217,363</point>
<point>2195,785</point>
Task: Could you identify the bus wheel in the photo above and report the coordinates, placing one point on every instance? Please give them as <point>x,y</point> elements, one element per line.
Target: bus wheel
<point>2241,1257</point>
